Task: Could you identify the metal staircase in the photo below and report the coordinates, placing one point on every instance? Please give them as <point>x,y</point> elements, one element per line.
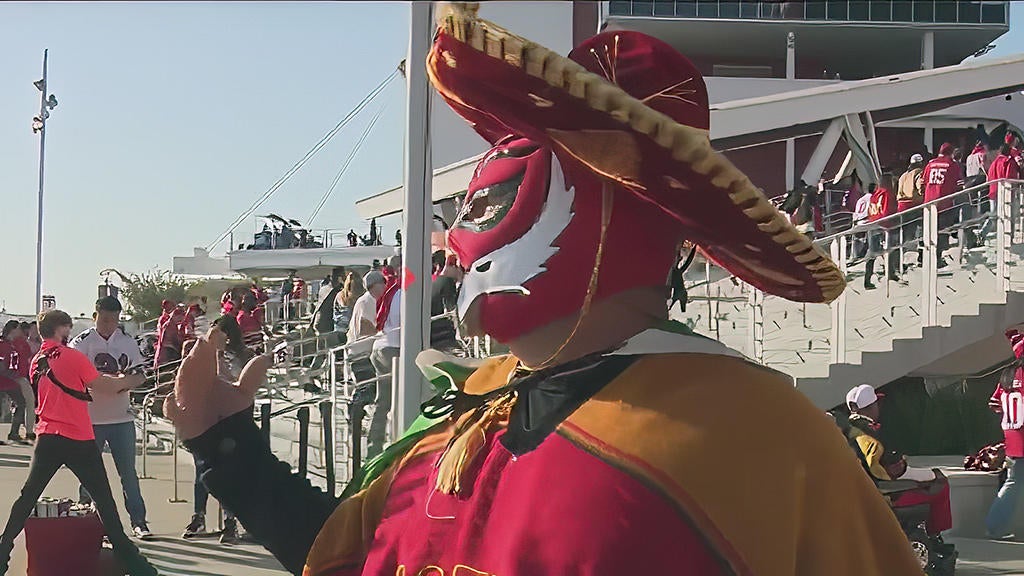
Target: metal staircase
<point>876,336</point>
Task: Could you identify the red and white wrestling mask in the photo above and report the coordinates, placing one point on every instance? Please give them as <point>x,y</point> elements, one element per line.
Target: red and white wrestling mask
<point>528,236</point>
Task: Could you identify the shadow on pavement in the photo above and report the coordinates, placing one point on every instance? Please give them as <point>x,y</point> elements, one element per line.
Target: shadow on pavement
<point>225,554</point>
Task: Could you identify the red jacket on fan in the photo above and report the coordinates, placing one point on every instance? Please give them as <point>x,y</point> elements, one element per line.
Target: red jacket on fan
<point>942,177</point>
<point>1002,167</point>
<point>882,204</point>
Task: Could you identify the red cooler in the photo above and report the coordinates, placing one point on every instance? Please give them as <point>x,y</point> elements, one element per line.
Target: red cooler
<point>64,546</point>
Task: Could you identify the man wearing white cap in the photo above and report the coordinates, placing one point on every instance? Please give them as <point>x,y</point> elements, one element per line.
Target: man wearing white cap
<point>910,191</point>
<point>882,464</point>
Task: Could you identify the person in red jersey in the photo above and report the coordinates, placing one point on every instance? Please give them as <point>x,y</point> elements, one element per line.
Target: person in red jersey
<point>591,449</point>
<point>943,177</point>
<point>1003,166</point>
<point>1008,402</point>
<point>250,321</point>
<point>882,205</point>
<point>15,357</point>
<point>65,378</point>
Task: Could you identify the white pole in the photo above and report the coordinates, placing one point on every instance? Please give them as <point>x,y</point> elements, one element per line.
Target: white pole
<point>417,211</point>
<point>790,142</point>
<point>39,209</point>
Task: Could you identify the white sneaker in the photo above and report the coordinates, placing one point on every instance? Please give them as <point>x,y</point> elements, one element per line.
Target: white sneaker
<point>142,532</point>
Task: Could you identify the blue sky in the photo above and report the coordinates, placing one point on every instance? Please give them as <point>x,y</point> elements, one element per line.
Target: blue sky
<point>173,118</point>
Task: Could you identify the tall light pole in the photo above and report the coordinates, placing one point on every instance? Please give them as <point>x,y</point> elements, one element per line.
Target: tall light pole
<point>47,102</point>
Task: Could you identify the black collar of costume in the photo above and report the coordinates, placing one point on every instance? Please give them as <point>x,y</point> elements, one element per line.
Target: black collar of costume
<point>547,397</point>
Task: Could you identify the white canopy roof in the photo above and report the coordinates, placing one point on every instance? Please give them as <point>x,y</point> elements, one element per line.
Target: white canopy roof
<point>309,263</point>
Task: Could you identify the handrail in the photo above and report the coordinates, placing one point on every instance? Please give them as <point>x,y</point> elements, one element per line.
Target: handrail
<point>897,218</point>
<point>297,405</point>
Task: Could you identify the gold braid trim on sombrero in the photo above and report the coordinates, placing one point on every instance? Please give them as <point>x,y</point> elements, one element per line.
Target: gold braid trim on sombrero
<point>686,143</point>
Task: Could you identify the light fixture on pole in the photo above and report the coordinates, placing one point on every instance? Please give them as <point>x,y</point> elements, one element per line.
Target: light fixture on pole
<point>47,102</point>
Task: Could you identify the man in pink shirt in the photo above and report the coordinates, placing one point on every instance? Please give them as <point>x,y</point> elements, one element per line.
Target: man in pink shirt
<point>66,438</point>
<point>943,177</point>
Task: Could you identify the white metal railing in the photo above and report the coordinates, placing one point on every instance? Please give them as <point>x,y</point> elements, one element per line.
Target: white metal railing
<point>804,339</point>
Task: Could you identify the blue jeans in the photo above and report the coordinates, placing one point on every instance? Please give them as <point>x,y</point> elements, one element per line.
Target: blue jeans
<point>202,495</point>
<point>121,439</point>
<point>1000,515</point>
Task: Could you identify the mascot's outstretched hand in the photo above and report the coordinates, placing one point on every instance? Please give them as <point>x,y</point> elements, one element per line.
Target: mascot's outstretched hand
<point>201,399</point>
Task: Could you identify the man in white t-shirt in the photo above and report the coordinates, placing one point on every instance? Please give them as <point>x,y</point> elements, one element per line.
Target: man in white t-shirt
<point>364,314</point>
<point>112,351</point>
<point>385,349</point>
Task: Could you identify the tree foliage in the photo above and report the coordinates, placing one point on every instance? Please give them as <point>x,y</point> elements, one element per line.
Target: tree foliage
<point>143,293</point>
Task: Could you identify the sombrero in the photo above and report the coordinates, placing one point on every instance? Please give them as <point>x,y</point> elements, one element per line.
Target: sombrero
<point>631,109</point>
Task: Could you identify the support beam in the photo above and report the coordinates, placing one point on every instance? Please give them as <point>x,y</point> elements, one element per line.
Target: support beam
<point>418,213</point>
<point>927,63</point>
<point>822,152</point>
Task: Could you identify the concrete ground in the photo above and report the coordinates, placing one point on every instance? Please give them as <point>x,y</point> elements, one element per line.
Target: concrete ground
<point>206,557</point>
<point>168,552</point>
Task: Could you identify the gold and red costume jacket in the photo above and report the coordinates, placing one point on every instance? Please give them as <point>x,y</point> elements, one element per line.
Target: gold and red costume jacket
<point>687,460</point>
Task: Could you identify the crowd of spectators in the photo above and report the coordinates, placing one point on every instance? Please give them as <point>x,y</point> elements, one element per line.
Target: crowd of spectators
<point>937,179</point>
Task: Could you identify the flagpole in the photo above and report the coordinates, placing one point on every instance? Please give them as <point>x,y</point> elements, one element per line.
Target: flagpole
<point>417,213</point>
<point>43,113</point>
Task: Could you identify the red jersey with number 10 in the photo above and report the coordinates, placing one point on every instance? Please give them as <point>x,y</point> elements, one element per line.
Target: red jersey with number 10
<point>941,178</point>
<point>1011,404</point>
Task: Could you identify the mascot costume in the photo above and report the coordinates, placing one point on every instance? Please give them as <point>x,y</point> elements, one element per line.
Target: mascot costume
<point>612,441</point>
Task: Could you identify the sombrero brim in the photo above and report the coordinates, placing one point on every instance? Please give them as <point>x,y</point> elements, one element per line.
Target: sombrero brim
<point>504,84</point>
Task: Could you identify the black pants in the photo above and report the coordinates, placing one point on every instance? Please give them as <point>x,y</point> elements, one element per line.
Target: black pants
<point>18,418</point>
<point>84,459</point>
<point>875,245</point>
<point>947,219</point>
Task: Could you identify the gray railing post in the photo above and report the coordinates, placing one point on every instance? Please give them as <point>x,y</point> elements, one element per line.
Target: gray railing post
<point>174,459</point>
<point>265,420</point>
<point>837,339</point>
<point>756,331</point>
<point>1003,235</point>
<point>326,419</point>
<point>303,417</point>
<point>929,268</point>
<point>146,404</point>
<point>356,413</point>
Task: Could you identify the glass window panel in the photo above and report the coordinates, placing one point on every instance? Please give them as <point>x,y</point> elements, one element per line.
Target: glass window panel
<point>881,11</point>
<point>815,10</point>
<point>945,11</point>
<point>643,8</point>
<point>686,9</point>
<point>993,12</point>
<point>902,11</point>
<point>748,9</point>
<point>859,11</point>
<point>924,11</point>
<point>707,9</point>
<point>837,9</point>
<point>664,8</point>
<point>620,8</point>
<point>728,9</point>
<point>969,12</point>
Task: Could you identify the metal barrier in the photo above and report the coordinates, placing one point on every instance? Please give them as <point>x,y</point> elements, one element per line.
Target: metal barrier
<point>770,329</point>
